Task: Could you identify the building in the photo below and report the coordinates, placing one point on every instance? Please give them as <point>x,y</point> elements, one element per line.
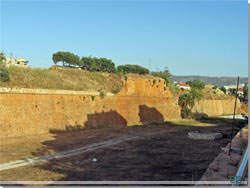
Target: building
<point>240,92</point>
<point>16,62</point>
<point>240,89</point>
<point>183,86</point>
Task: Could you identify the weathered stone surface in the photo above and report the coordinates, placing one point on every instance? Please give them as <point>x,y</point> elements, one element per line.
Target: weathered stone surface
<point>141,101</point>
<point>217,107</point>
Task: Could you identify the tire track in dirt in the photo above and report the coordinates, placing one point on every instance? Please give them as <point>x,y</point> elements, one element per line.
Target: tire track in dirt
<point>92,147</point>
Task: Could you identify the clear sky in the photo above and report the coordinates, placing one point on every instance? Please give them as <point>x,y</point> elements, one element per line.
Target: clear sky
<point>202,37</point>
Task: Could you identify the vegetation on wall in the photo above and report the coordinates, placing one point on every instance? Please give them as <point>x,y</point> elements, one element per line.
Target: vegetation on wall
<point>163,74</point>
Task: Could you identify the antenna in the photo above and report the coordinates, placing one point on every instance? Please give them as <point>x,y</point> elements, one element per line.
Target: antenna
<point>149,66</point>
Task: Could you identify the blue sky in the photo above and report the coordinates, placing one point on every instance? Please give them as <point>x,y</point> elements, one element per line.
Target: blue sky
<point>189,37</point>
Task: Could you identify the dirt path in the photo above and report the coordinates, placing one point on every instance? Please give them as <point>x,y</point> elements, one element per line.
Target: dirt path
<point>140,153</point>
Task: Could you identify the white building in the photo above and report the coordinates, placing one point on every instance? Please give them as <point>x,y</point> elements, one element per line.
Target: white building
<point>183,86</point>
<point>15,62</point>
<point>240,89</point>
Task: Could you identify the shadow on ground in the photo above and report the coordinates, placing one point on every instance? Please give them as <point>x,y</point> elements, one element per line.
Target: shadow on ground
<point>149,115</point>
<point>161,153</point>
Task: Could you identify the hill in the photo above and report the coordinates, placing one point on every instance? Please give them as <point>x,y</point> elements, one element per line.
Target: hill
<point>219,81</point>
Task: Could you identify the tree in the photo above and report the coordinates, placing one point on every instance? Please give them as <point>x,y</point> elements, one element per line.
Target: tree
<point>97,64</point>
<point>128,68</point>
<point>196,94</point>
<point>66,58</point>
<point>232,91</point>
<point>197,84</point>
<point>187,101</point>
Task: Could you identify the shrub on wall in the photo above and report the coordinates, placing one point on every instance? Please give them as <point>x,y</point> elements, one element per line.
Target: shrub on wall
<point>102,94</point>
<point>163,74</point>
<point>115,90</point>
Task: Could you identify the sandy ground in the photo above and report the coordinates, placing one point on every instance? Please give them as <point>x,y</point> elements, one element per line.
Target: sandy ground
<point>159,153</point>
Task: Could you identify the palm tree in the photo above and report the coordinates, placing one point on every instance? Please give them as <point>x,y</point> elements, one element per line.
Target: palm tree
<point>196,94</point>
<point>186,100</point>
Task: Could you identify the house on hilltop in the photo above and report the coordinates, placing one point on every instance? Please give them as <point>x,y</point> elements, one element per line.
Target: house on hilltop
<point>233,87</point>
<point>183,86</point>
<point>15,62</point>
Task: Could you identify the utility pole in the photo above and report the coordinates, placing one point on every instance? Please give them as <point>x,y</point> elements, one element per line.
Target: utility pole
<point>149,66</point>
<point>235,104</point>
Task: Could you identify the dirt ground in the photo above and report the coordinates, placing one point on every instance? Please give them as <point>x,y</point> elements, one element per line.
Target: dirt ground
<point>160,153</point>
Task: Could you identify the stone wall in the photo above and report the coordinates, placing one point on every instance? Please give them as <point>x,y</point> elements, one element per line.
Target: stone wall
<point>142,100</point>
<point>29,114</point>
<point>217,107</point>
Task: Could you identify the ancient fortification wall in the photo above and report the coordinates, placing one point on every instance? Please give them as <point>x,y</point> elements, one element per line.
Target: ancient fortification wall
<point>216,107</point>
<point>141,101</point>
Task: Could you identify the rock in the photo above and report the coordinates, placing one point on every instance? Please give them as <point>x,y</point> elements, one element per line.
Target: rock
<point>204,136</point>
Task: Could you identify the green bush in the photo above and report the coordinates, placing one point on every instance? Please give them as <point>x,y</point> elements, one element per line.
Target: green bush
<point>102,94</point>
<point>223,89</point>
<point>115,90</point>
<point>4,74</point>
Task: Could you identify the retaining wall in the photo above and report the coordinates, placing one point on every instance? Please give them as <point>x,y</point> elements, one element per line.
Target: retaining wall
<point>141,101</point>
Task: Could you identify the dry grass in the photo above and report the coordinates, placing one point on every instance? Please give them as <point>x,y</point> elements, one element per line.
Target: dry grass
<point>66,79</point>
<point>191,122</point>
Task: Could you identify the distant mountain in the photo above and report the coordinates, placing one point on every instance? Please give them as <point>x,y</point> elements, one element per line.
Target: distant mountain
<point>219,81</point>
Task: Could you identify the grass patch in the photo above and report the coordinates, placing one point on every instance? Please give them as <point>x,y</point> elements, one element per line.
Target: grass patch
<point>64,79</point>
